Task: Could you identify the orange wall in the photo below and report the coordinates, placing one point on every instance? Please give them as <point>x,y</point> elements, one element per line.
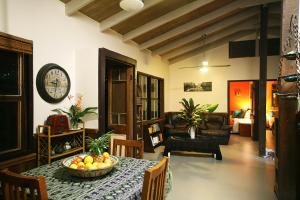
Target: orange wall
<point>241,100</point>
<point>269,95</point>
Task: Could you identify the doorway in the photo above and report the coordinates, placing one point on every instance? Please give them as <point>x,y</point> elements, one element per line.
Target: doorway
<point>243,108</point>
<point>116,93</point>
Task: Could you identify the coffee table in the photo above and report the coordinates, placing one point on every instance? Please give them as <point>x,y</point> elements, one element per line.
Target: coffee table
<point>200,144</point>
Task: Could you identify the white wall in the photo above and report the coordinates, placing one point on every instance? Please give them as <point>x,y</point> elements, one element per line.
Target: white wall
<point>240,69</point>
<point>71,42</point>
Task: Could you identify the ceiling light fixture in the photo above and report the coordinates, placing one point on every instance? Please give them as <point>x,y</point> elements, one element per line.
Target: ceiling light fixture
<point>205,63</point>
<point>131,5</point>
<point>204,69</point>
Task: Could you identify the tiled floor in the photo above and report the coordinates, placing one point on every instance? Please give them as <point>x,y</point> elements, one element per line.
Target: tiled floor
<point>241,175</point>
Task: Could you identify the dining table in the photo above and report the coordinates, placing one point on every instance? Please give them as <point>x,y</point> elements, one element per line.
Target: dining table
<point>124,182</point>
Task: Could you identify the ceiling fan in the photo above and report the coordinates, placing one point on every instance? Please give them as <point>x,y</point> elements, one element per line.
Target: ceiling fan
<point>204,67</point>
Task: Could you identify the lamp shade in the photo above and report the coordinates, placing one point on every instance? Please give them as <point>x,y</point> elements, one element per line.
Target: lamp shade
<point>131,5</point>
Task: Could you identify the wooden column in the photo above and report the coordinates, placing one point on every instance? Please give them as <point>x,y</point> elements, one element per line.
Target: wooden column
<point>263,44</point>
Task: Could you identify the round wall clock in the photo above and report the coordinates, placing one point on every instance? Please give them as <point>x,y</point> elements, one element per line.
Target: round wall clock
<point>53,83</point>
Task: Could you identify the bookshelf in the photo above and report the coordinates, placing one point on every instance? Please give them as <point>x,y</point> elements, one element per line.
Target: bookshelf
<point>153,135</point>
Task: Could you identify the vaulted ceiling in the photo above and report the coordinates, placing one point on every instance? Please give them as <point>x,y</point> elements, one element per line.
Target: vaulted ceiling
<point>179,29</point>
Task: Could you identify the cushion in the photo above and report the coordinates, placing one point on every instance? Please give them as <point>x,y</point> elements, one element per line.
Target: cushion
<point>214,121</point>
<point>248,114</point>
<point>242,113</point>
<point>236,113</point>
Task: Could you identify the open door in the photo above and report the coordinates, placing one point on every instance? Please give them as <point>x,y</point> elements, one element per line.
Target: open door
<point>254,94</point>
<point>119,93</point>
<point>116,93</point>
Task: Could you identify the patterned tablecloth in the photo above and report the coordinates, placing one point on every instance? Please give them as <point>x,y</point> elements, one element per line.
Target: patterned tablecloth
<point>124,182</point>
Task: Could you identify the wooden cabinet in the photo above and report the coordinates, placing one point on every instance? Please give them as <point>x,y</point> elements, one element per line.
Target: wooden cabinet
<point>48,144</point>
<point>245,129</point>
<point>153,135</point>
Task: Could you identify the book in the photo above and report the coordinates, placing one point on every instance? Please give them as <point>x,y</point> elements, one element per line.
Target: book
<point>160,137</point>
<point>155,140</point>
<point>156,127</point>
<point>150,129</point>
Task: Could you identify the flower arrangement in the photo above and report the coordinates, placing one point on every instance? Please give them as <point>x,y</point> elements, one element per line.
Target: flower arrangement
<point>76,111</point>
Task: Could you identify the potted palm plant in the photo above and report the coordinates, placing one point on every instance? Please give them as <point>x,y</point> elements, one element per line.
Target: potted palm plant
<point>193,114</point>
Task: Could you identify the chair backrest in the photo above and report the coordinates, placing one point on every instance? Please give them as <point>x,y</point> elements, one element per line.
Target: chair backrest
<point>154,181</point>
<point>131,148</point>
<point>17,187</point>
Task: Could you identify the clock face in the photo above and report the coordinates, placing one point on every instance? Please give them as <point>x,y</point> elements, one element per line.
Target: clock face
<point>53,83</point>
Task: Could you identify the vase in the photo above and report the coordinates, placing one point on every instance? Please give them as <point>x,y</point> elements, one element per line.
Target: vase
<point>192,132</point>
<point>74,126</point>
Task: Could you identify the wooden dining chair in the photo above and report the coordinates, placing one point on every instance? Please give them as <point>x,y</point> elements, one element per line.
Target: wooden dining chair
<point>154,181</point>
<point>131,148</point>
<point>18,187</point>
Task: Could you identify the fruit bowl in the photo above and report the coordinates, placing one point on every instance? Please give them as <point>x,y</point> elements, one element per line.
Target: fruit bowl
<point>84,173</point>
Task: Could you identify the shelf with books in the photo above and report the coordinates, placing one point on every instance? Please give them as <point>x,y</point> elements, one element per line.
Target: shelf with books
<point>153,135</point>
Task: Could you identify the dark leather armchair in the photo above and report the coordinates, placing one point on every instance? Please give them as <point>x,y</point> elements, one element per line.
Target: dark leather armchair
<point>175,126</point>
<point>215,125</point>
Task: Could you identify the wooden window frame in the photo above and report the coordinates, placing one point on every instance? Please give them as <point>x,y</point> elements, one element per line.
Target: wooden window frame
<point>24,48</point>
<point>149,98</point>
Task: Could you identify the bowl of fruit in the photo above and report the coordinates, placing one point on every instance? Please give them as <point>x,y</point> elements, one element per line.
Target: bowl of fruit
<point>88,165</point>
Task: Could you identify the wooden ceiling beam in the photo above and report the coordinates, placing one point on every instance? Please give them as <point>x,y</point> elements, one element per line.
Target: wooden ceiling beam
<point>165,19</point>
<point>192,24</point>
<point>124,15</point>
<point>75,5</point>
<point>210,46</point>
<point>247,25</point>
<point>211,29</point>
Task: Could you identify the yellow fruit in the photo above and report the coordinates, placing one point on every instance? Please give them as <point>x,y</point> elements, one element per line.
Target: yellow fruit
<point>88,165</point>
<point>102,165</point>
<point>93,167</point>
<point>108,162</point>
<point>105,155</point>
<point>81,164</point>
<point>88,159</point>
<point>96,164</point>
<point>73,166</point>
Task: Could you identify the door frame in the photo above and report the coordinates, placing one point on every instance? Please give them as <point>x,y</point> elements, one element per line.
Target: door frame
<point>103,55</point>
<point>256,81</point>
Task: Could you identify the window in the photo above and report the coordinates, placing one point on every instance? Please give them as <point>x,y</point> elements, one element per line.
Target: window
<point>15,99</point>
<point>151,89</point>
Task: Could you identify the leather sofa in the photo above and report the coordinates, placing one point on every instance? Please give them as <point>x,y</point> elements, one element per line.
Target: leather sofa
<point>215,126</point>
<point>175,126</point>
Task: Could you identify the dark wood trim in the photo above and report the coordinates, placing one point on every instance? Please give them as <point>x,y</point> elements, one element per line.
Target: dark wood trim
<point>149,75</point>
<point>263,49</point>
<point>91,131</point>
<point>13,43</point>
<point>18,161</point>
<point>105,54</point>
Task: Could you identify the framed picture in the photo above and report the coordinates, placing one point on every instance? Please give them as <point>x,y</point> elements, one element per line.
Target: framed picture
<point>197,87</point>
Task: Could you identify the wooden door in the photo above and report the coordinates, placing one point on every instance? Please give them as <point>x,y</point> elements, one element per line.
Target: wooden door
<point>120,98</point>
<point>254,95</point>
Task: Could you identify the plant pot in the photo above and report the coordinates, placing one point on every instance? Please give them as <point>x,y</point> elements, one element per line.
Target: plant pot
<point>192,132</point>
